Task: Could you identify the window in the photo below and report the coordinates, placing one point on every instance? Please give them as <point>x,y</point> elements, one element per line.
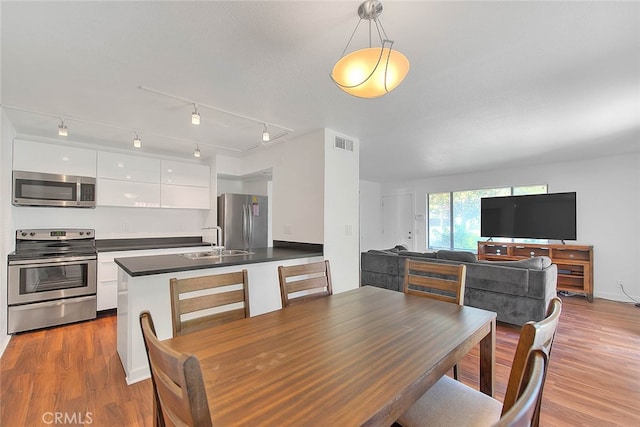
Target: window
<point>454,218</point>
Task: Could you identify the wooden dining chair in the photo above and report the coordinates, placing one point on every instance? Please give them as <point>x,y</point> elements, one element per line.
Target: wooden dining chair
<point>444,282</point>
<point>522,413</point>
<point>201,302</point>
<point>177,379</point>
<point>300,283</point>
<point>449,402</point>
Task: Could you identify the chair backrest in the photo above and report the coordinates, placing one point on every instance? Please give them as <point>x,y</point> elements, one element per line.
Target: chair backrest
<point>201,302</point>
<point>522,412</point>
<point>177,379</point>
<point>533,336</point>
<point>308,281</point>
<point>444,282</point>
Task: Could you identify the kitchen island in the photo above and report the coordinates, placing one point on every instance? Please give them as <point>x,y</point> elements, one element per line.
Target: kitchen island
<point>143,284</point>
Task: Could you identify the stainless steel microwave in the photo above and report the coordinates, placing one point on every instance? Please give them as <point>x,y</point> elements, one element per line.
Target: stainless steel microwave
<point>45,189</point>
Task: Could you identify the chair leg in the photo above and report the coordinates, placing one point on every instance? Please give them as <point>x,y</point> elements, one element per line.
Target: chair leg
<point>455,372</point>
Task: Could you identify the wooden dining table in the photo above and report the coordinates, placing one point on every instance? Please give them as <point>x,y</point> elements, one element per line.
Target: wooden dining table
<point>361,357</point>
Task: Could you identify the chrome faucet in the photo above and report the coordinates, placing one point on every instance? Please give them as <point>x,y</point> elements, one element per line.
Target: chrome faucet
<point>218,246</point>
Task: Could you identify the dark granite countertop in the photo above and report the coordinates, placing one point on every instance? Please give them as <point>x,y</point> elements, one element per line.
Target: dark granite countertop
<point>112,245</point>
<point>159,264</point>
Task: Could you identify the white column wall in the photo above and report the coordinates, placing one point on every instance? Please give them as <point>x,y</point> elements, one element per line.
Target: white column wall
<point>341,213</point>
<point>370,216</point>
<point>7,227</point>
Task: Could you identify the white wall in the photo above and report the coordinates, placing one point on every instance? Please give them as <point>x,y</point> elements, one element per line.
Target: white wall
<point>370,216</point>
<point>7,228</point>
<point>298,181</point>
<point>341,213</point>
<point>115,222</point>
<point>608,210</point>
<point>257,187</point>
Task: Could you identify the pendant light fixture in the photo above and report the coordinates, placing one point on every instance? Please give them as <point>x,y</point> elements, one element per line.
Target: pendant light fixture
<point>62,129</point>
<point>196,152</point>
<point>137,143</point>
<point>373,71</point>
<point>265,134</point>
<point>195,116</point>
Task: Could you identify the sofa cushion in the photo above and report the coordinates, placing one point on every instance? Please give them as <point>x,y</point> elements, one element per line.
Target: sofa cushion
<point>533,263</point>
<point>498,279</point>
<point>398,248</point>
<point>379,262</point>
<point>417,254</point>
<point>382,252</point>
<point>462,256</point>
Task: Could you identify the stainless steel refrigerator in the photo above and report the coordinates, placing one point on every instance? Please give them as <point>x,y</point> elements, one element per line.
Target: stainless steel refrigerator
<point>244,221</point>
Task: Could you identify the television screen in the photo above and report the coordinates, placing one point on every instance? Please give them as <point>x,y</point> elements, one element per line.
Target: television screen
<point>539,216</point>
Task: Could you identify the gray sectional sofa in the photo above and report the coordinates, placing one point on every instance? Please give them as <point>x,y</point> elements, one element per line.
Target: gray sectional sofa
<point>518,291</point>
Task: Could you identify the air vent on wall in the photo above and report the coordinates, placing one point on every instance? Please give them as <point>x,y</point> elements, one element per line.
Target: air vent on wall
<point>343,144</point>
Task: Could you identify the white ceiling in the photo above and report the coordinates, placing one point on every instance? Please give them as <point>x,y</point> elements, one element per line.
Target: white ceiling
<point>491,83</point>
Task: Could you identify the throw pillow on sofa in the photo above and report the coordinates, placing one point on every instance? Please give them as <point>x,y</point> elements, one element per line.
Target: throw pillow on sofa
<point>461,256</point>
<point>417,254</point>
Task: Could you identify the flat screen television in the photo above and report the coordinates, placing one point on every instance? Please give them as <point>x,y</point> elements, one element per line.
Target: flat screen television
<point>539,216</point>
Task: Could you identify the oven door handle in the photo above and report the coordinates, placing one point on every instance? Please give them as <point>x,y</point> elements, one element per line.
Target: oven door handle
<point>44,262</point>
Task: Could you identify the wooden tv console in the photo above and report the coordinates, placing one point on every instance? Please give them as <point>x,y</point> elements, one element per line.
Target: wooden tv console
<point>575,262</point>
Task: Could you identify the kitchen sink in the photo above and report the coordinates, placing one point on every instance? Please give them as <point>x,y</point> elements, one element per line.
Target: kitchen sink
<point>235,252</point>
<point>216,254</point>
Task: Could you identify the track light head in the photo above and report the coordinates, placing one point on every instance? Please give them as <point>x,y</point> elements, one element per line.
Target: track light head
<point>196,152</point>
<point>137,143</point>
<point>195,116</point>
<point>265,134</point>
<point>62,129</point>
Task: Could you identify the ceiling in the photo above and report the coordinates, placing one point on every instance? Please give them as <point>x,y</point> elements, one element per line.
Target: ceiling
<point>491,83</point>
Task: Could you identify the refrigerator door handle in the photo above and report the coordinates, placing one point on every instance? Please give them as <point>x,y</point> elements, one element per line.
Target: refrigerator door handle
<point>250,213</point>
<point>247,226</point>
<point>244,223</point>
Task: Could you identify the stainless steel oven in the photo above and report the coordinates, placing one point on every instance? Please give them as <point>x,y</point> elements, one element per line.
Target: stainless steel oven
<point>52,278</point>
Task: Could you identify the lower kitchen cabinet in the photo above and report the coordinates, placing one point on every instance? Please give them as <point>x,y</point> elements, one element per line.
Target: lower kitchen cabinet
<point>107,289</point>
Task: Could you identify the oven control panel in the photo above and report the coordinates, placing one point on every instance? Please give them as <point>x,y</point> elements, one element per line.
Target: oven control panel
<point>55,234</point>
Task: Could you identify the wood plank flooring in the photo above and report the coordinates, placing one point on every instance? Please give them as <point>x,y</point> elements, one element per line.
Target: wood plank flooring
<point>74,371</point>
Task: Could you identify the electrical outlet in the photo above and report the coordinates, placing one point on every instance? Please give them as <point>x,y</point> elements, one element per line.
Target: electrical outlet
<point>619,283</point>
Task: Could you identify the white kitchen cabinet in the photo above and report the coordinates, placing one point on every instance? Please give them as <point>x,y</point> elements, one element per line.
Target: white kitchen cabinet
<point>111,192</point>
<point>107,289</point>
<point>185,197</point>
<point>125,167</point>
<point>185,185</point>
<point>44,157</point>
<point>182,173</point>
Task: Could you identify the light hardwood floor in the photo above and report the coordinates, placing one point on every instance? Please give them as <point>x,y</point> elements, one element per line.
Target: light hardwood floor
<point>74,371</point>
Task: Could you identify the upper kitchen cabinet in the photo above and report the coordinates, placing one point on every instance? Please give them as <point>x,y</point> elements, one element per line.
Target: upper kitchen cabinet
<point>113,192</point>
<point>180,173</point>
<point>125,180</point>
<point>124,167</point>
<point>43,157</point>
<point>185,185</point>
<point>184,197</point>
